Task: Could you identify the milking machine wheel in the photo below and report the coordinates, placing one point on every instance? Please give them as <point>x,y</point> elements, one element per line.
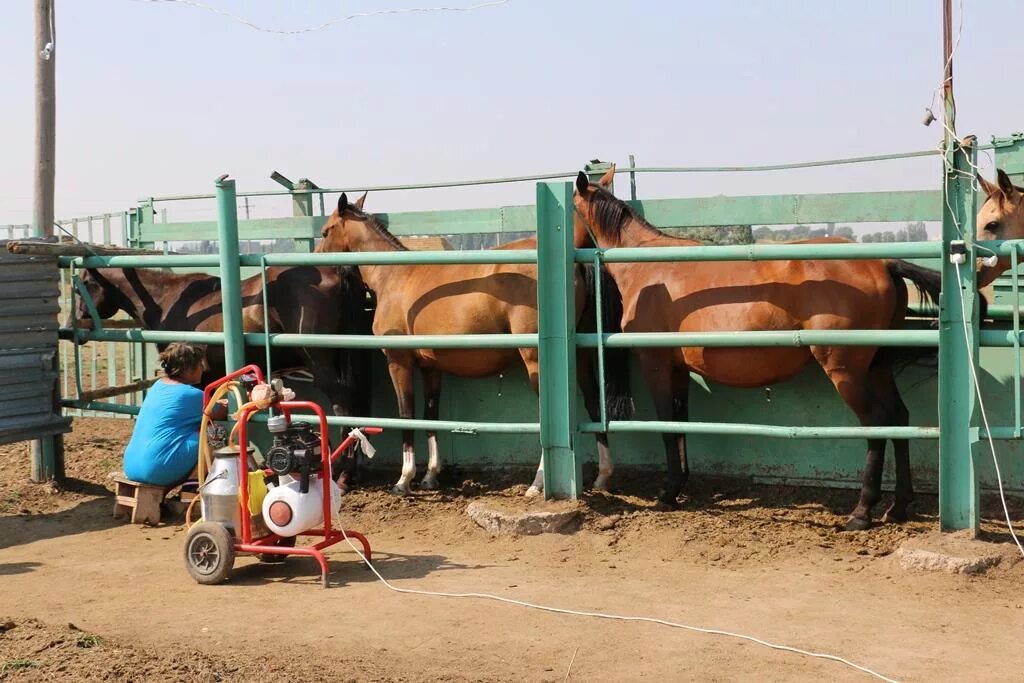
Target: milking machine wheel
<point>209,553</point>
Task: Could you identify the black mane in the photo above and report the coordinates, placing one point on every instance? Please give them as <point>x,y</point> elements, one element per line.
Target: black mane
<point>612,214</point>
<point>376,226</point>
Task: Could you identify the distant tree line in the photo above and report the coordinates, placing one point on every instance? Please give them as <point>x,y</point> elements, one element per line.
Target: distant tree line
<point>913,232</point>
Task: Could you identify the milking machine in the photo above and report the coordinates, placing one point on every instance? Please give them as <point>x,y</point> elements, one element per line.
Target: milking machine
<point>249,508</point>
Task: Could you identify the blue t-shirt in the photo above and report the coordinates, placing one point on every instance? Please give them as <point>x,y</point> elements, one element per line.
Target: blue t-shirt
<point>165,443</point>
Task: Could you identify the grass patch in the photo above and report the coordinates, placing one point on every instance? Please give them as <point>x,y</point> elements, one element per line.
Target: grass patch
<point>87,640</point>
<point>19,664</point>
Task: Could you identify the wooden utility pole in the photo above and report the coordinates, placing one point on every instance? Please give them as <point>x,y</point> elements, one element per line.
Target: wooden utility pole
<point>46,119</point>
<point>47,453</point>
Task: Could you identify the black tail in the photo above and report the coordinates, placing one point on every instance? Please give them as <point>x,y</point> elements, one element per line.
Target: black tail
<point>927,281</point>
<point>929,285</point>
<point>618,398</point>
<point>354,365</point>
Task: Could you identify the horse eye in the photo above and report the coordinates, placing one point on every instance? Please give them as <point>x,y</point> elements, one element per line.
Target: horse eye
<point>992,227</point>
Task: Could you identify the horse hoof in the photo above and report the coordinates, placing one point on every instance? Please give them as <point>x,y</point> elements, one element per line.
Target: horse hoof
<point>601,485</point>
<point>894,516</point>
<point>857,524</point>
<point>666,504</point>
<point>398,490</point>
<point>429,484</point>
<point>532,492</point>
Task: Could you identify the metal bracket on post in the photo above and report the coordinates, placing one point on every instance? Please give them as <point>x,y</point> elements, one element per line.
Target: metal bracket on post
<point>230,275</point>
<point>302,204</point>
<point>557,341</point>
<point>958,346</point>
<point>595,168</point>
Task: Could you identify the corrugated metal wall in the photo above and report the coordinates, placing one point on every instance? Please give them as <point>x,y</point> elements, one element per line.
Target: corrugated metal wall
<point>29,305</point>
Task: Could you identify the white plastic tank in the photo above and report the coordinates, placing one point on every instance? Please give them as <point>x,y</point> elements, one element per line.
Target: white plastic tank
<point>288,512</point>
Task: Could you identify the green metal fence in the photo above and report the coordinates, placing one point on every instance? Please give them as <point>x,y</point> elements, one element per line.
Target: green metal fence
<point>958,433</point>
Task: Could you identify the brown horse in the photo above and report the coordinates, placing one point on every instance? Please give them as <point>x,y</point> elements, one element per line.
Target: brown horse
<point>301,299</point>
<point>1001,217</point>
<point>767,295</point>
<point>464,299</point>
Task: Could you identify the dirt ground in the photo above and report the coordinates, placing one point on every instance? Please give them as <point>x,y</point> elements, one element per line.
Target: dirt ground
<point>88,598</point>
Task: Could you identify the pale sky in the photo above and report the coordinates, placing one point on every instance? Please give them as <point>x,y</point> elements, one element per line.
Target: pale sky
<point>160,98</point>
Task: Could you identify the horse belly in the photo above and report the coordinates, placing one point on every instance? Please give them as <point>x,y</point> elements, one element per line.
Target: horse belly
<point>468,362</point>
<point>750,367</point>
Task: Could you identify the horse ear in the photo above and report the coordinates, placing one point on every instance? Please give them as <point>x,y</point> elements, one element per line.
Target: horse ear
<point>359,202</point>
<point>342,203</point>
<point>608,177</point>
<point>988,187</point>
<point>1005,184</point>
<point>582,182</point>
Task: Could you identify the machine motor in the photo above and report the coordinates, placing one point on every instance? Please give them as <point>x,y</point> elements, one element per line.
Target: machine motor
<point>296,449</point>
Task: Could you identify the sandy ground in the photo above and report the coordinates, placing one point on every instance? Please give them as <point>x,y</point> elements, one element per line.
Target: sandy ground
<point>88,598</point>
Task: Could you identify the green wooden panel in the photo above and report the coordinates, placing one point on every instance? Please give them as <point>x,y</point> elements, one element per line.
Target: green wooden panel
<point>851,207</point>
<point>497,220</point>
<point>1010,155</point>
<point>302,227</point>
<point>809,399</point>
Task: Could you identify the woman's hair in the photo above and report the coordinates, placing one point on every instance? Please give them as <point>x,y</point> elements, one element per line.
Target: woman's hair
<point>180,357</point>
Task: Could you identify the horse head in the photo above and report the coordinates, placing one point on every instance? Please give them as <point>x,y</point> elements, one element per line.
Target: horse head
<point>105,300</point>
<point>342,228</point>
<point>1001,217</point>
<point>587,223</point>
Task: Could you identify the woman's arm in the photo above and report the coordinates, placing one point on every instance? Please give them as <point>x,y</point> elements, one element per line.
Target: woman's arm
<point>220,410</point>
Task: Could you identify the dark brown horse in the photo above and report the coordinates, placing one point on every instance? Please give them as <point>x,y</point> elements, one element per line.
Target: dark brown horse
<point>766,295</point>
<point>467,299</point>
<point>301,299</point>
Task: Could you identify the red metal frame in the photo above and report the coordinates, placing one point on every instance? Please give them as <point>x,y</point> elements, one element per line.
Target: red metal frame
<point>247,370</point>
<point>267,544</point>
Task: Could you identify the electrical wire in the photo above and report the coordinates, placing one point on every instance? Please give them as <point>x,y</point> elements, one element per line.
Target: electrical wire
<point>950,135</point>
<point>615,617</point>
<point>327,24</point>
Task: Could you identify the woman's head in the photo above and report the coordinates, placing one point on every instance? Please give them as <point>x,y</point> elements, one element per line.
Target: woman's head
<point>184,362</point>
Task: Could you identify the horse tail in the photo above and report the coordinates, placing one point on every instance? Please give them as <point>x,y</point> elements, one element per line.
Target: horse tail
<point>618,397</point>
<point>929,285</point>
<point>354,365</point>
<point>927,281</point>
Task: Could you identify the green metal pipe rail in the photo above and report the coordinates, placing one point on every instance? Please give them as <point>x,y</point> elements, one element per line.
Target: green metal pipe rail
<point>557,338</point>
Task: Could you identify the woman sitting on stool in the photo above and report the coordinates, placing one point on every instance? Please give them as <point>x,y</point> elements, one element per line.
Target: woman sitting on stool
<point>165,443</point>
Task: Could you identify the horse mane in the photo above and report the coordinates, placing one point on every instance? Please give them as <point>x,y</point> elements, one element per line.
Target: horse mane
<point>612,214</point>
<point>371,221</point>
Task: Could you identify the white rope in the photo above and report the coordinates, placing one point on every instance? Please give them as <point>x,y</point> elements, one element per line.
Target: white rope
<point>616,617</point>
<point>988,430</point>
<point>332,22</point>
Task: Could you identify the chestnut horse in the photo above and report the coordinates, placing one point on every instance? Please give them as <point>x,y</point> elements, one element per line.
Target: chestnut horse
<point>301,299</point>
<point>467,299</point>
<point>1001,217</point>
<point>767,295</point>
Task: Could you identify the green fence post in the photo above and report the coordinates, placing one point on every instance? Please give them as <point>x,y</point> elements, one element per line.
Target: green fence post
<point>557,342</point>
<point>230,275</point>
<point>958,349</point>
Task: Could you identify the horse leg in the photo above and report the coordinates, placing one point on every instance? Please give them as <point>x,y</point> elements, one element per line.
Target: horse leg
<point>327,380</point>
<point>885,386</point>
<point>531,360</point>
<point>587,378</point>
<point>431,411</point>
<point>400,368</point>
<point>670,390</point>
<point>857,391</point>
